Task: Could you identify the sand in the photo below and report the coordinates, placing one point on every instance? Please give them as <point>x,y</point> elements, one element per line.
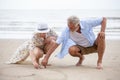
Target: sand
<point>61,69</point>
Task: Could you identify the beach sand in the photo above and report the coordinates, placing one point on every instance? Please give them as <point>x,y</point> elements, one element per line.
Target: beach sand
<point>61,69</point>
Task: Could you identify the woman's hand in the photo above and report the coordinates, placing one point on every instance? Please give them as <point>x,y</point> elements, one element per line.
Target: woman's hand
<point>44,62</point>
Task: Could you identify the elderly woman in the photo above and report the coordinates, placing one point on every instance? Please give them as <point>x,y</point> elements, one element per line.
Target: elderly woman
<point>36,47</point>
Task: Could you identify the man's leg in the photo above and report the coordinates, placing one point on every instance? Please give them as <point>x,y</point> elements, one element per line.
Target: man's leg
<point>75,52</point>
<point>100,42</point>
<point>35,55</point>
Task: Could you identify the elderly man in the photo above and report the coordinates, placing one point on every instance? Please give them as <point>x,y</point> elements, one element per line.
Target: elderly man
<point>78,39</point>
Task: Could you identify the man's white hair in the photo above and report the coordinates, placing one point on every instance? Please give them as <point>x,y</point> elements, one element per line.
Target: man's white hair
<point>73,19</point>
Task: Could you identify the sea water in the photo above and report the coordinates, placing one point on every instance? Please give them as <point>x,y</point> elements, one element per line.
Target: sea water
<point>20,24</point>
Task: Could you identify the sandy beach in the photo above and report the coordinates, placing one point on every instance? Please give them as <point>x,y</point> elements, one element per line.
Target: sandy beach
<point>61,69</point>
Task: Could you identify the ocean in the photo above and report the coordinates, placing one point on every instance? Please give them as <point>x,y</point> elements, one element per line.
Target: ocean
<point>20,24</point>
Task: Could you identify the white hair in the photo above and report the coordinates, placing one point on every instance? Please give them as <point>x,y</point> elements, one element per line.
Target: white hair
<point>73,19</point>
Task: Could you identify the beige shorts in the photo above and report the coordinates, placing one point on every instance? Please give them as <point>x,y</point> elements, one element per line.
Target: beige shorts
<point>87,50</point>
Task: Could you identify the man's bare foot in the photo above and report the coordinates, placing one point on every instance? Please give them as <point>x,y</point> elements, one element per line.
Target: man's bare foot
<point>80,61</point>
<point>99,66</point>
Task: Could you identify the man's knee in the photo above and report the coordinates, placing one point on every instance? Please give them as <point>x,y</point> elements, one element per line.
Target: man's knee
<point>101,37</point>
<point>72,50</point>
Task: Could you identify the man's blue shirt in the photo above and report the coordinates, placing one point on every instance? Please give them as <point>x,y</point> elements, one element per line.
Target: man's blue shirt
<point>86,30</point>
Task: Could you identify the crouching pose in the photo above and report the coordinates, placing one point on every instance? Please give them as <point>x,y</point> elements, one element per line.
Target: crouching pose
<point>36,47</point>
<point>79,39</point>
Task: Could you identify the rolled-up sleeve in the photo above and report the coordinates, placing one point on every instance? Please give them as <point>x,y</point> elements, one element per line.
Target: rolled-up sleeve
<point>60,38</point>
<point>94,22</point>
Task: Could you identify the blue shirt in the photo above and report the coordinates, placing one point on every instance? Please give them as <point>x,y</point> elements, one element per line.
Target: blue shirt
<point>87,31</point>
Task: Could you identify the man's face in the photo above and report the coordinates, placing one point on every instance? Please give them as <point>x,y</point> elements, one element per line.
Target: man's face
<point>71,26</point>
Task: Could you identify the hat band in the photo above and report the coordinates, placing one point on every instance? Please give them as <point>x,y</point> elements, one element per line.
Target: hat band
<point>43,29</point>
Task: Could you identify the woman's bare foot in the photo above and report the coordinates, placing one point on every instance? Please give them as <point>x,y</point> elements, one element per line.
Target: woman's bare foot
<point>36,63</point>
<point>80,61</point>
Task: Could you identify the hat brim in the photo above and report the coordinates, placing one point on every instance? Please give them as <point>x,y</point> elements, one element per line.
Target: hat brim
<point>43,31</point>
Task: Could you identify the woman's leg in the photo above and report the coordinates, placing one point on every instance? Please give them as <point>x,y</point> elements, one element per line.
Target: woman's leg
<point>35,55</point>
<point>49,42</point>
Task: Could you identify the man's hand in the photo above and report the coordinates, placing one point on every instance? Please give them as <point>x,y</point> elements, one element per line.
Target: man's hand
<point>44,62</point>
<point>102,35</point>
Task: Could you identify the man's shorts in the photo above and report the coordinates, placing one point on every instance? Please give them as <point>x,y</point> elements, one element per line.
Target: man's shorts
<point>87,50</point>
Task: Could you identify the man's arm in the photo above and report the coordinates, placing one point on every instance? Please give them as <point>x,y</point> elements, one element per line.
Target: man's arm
<point>54,45</point>
<point>50,51</point>
<point>103,24</point>
<point>103,27</point>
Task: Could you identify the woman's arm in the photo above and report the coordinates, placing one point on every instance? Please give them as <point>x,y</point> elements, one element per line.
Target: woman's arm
<point>48,54</point>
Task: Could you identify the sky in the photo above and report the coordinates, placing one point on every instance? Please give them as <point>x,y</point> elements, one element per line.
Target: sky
<point>59,4</point>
